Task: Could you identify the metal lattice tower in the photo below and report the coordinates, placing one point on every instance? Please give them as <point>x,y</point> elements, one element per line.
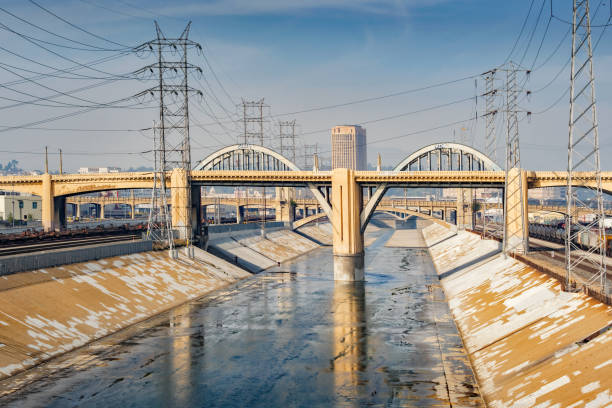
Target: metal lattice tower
<point>490,95</point>
<point>173,147</point>
<point>310,150</point>
<point>490,141</point>
<point>583,155</point>
<point>159,226</point>
<point>253,122</point>
<point>514,202</point>
<point>286,137</point>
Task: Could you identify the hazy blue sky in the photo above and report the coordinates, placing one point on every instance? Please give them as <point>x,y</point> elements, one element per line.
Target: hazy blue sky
<point>297,55</point>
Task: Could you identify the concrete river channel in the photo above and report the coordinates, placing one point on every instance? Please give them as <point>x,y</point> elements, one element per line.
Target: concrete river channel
<point>285,337</point>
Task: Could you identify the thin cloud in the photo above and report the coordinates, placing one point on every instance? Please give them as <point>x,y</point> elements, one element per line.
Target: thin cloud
<point>250,7</point>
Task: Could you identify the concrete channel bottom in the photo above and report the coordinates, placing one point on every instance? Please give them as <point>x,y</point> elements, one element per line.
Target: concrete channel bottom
<point>290,336</point>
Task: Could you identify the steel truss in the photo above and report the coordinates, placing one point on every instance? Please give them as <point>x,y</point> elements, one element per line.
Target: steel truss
<point>583,155</point>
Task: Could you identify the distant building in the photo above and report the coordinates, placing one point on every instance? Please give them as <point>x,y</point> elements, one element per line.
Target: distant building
<point>349,147</point>
<point>545,193</point>
<point>98,170</point>
<point>20,207</point>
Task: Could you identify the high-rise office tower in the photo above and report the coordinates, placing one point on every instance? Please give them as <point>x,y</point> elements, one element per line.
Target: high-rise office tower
<point>349,147</point>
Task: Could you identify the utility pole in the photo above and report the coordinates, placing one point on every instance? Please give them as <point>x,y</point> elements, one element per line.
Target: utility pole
<point>516,239</point>
<point>172,146</point>
<point>286,134</point>
<point>583,155</point>
<point>61,166</point>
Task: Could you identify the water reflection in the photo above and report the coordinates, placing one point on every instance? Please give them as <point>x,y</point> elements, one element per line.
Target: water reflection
<point>349,360</point>
<point>181,367</point>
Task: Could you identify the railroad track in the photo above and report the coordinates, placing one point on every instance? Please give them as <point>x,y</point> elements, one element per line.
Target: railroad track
<point>67,243</point>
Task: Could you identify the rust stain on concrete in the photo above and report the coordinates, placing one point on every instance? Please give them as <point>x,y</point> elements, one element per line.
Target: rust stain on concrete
<point>531,344</point>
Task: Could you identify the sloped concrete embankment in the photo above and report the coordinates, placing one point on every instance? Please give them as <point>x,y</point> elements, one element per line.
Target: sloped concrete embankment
<point>531,344</point>
<point>321,233</point>
<point>47,312</point>
<point>255,252</point>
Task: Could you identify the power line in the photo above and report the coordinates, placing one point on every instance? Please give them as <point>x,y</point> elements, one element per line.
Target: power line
<point>399,115</point>
<point>76,26</point>
<point>80,129</point>
<point>66,70</point>
<point>63,57</point>
<point>96,48</point>
<point>535,26</point>
<point>520,33</point>
<point>75,153</point>
<point>541,43</point>
<point>376,98</point>
<point>59,93</point>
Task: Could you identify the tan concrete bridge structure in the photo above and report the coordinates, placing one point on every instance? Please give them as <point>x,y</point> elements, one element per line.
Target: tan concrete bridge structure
<point>448,165</point>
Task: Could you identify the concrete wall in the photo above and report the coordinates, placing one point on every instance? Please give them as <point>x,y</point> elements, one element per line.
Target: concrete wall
<point>531,344</point>
<point>48,312</point>
<point>46,259</point>
<point>249,249</point>
<point>223,228</point>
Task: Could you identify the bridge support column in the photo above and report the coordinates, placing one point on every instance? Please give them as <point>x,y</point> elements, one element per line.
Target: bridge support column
<point>516,217</point>
<point>59,212</point>
<point>102,215</point>
<point>196,215</point>
<point>181,211</point>
<point>239,214</point>
<point>48,210</point>
<point>282,206</point>
<point>133,203</point>
<point>78,211</point>
<point>464,209</point>
<point>346,221</point>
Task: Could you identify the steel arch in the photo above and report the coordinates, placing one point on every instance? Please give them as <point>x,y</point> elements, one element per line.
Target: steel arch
<point>473,156</point>
<point>245,157</point>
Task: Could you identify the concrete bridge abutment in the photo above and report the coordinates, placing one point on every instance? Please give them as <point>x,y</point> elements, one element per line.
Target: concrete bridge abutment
<point>346,221</point>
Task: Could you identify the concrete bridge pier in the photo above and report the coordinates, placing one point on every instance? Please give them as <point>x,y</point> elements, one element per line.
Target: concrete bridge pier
<point>196,214</point>
<point>346,221</point>
<point>53,208</point>
<point>239,214</point>
<point>133,203</point>
<point>283,209</point>
<point>464,209</point>
<point>517,210</point>
<point>181,203</point>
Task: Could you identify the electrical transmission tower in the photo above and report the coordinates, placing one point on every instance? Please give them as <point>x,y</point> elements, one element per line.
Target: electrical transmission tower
<point>310,151</point>
<point>172,147</point>
<point>490,95</point>
<point>286,136</point>
<point>253,122</point>
<point>583,156</point>
<point>159,227</point>
<point>516,237</point>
